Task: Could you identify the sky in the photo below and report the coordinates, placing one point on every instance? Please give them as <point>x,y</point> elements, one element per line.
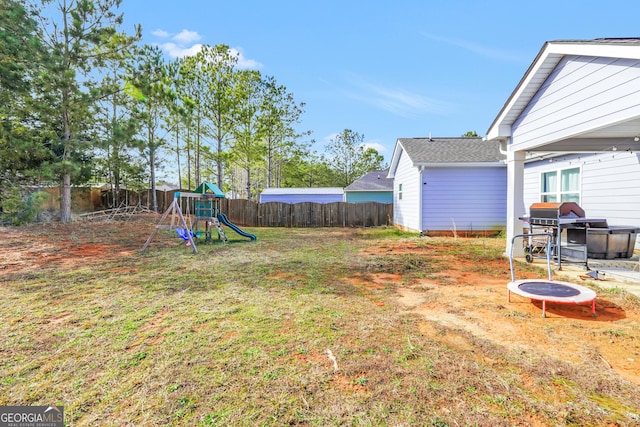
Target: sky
<point>384,69</point>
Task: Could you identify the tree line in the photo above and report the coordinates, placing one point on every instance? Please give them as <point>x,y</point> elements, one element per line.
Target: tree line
<point>81,100</point>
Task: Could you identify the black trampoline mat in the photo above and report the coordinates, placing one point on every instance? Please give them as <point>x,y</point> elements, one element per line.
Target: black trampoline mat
<point>549,289</point>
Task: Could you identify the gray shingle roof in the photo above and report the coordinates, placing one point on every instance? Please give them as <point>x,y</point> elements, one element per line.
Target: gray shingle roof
<point>372,181</point>
<point>603,41</point>
<point>451,150</point>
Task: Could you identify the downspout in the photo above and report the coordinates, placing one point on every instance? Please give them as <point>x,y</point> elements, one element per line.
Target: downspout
<point>420,200</point>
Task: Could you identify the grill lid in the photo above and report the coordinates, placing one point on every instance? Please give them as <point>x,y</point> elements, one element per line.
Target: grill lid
<point>556,210</point>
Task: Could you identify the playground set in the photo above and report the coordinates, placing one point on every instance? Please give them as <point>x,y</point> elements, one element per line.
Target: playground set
<point>190,210</point>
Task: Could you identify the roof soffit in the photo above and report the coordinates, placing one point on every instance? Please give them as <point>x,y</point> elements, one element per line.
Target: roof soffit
<point>395,158</point>
<point>545,62</point>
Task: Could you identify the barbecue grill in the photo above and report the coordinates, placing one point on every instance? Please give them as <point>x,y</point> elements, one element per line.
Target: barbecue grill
<point>545,214</point>
<point>554,214</point>
<point>558,217</point>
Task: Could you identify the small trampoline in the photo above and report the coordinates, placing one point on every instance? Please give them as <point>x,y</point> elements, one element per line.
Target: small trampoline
<point>549,290</point>
<point>553,291</point>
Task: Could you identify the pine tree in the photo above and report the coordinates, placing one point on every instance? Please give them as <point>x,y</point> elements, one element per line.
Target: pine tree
<point>79,36</point>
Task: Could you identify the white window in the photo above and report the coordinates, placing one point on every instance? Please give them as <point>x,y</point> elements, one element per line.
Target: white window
<point>560,186</point>
<point>399,191</point>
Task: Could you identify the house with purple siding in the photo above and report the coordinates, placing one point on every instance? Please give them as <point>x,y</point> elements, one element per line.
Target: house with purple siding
<point>299,195</point>
<point>445,185</point>
<point>571,131</point>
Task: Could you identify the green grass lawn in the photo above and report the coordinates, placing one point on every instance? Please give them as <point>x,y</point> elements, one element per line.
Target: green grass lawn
<point>242,334</point>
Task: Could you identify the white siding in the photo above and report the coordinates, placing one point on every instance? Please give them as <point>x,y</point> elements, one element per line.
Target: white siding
<point>610,184</point>
<point>406,211</point>
<point>581,94</point>
<point>470,198</point>
<point>531,185</point>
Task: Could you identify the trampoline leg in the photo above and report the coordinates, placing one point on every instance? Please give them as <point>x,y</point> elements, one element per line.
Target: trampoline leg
<point>544,308</point>
<point>593,308</point>
<point>509,295</point>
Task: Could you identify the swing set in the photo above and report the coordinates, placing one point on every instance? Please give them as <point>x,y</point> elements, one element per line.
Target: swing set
<point>205,204</point>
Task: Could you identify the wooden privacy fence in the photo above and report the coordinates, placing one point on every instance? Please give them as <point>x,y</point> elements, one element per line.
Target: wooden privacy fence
<point>307,214</point>
<point>91,199</point>
<point>240,211</point>
<point>248,213</point>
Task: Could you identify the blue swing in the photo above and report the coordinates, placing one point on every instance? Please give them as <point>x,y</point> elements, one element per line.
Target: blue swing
<point>184,233</point>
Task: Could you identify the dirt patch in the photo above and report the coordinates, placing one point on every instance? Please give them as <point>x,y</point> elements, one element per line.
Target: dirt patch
<point>463,303</point>
<point>57,246</point>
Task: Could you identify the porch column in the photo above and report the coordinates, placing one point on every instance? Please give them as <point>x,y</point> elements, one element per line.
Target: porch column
<point>515,199</point>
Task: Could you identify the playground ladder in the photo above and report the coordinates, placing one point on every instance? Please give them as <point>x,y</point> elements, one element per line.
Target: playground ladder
<point>221,234</point>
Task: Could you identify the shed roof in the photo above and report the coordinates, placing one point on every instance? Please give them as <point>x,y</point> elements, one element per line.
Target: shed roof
<point>372,181</point>
<point>448,152</point>
<point>433,151</point>
<point>167,187</point>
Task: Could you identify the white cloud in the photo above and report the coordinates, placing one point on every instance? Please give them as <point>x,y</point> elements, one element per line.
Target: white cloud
<point>182,44</point>
<point>243,61</point>
<point>375,145</point>
<point>396,101</point>
<point>160,33</point>
<point>329,138</point>
<point>478,49</point>
<point>186,37</point>
<point>176,51</point>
